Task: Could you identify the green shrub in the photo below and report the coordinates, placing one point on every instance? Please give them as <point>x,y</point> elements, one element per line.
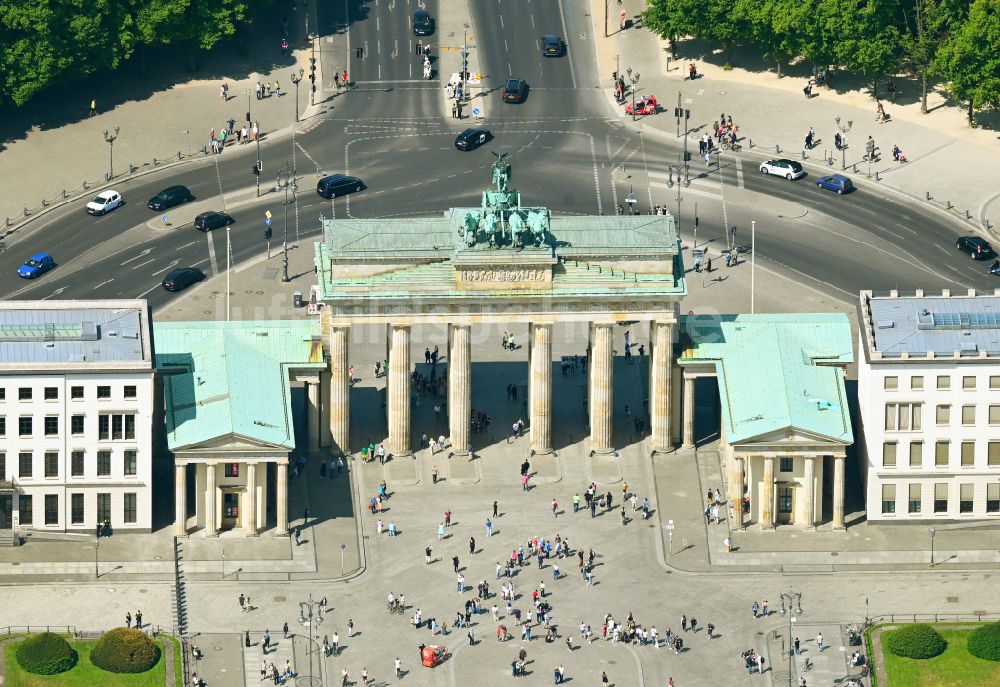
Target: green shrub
<point>984,642</point>
<point>916,641</point>
<point>46,654</point>
<point>125,650</point>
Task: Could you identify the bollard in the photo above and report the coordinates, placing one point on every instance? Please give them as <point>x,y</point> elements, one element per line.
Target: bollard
<point>854,168</point>
<point>968,215</point>
<point>803,154</point>
<point>750,141</point>
<point>154,162</point>
<point>26,213</point>
<point>179,156</point>
<point>876,176</point>
<point>132,168</point>
<point>85,185</point>
<point>6,221</point>
<point>947,204</point>
<point>204,150</point>
<point>45,204</point>
<point>64,194</point>
<point>927,195</point>
<point>777,149</point>
<point>107,176</point>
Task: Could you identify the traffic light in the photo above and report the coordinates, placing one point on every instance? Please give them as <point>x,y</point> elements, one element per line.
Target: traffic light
<point>312,69</point>
<point>687,114</point>
<point>254,170</point>
<point>677,112</point>
<point>687,156</point>
<point>267,233</point>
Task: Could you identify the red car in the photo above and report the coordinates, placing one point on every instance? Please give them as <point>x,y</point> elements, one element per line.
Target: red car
<point>645,105</point>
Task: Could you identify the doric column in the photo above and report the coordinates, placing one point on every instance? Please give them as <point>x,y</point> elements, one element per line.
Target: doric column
<point>399,392</point>
<point>250,507</point>
<point>838,492</point>
<point>688,410</point>
<point>460,388</point>
<point>324,409</point>
<point>312,413</point>
<point>281,489</point>
<point>736,489</point>
<point>767,502</point>
<point>211,528</point>
<point>180,499</point>
<point>661,341</point>
<point>809,492</point>
<point>540,389</point>
<point>602,387</point>
<point>340,393</point>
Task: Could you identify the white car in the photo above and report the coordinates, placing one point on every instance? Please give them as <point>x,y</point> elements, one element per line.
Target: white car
<point>105,202</point>
<point>790,169</point>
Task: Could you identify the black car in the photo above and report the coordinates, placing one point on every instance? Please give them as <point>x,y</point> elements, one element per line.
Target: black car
<point>337,185</point>
<point>975,247</point>
<point>514,91</point>
<point>423,23</point>
<point>207,221</point>
<point>169,197</point>
<point>181,278</point>
<point>470,139</point>
<point>552,46</point>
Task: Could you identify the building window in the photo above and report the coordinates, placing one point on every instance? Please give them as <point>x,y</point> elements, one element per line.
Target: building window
<point>3,394</point>
<point>25,509</point>
<point>943,415</point>
<point>786,464</point>
<point>888,498</point>
<point>115,426</point>
<point>965,493</point>
<point>130,463</point>
<point>232,470</point>
<point>993,454</point>
<point>76,464</point>
<point>917,383</point>
<point>24,426</point>
<point>51,425</point>
<point>24,463</point>
<point>943,382</point>
<point>916,454</point>
<point>24,393</point>
<point>968,454</point>
<point>129,508</point>
<point>903,417</point>
<point>51,464</point>
<point>995,415</point>
<point>76,393</point>
<point>51,393</point>
<point>104,508</point>
<point>993,498</point>
<point>52,509</point>
<point>941,497</point>
<point>891,383</point>
<point>969,383</point>
<point>941,453</point>
<point>130,391</point>
<point>968,415</point>
<point>103,463</point>
<point>913,503</point>
<point>889,454</point>
<point>784,499</point>
<point>995,381</point>
<point>104,392</point>
<point>3,426</point>
<point>77,424</point>
<point>3,465</point>
<point>76,509</point>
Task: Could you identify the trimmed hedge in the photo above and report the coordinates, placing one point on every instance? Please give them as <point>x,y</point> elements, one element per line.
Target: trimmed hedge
<point>125,650</point>
<point>984,642</point>
<point>916,641</point>
<point>46,654</point>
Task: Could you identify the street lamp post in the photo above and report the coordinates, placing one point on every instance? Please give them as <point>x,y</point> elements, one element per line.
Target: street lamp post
<point>687,182</point>
<point>286,178</point>
<point>312,69</point>
<point>634,79</point>
<point>933,532</point>
<point>793,610</point>
<point>110,138</point>
<point>187,132</point>
<point>308,618</point>
<point>843,148</point>
<point>296,78</point>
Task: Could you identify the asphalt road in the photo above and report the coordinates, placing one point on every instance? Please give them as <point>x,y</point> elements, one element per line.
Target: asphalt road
<point>569,151</point>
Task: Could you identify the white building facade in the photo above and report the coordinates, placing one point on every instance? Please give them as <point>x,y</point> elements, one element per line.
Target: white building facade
<point>76,410</point>
<point>929,397</point>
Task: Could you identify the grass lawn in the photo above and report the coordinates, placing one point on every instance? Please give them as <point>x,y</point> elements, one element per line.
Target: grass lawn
<point>956,667</point>
<point>85,674</point>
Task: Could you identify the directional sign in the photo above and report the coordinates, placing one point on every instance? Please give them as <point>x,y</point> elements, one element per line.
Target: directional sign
<point>670,524</point>
<point>476,111</point>
<point>268,221</point>
<point>268,214</point>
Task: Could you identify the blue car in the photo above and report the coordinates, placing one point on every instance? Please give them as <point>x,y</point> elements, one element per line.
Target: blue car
<point>835,182</point>
<point>36,266</point>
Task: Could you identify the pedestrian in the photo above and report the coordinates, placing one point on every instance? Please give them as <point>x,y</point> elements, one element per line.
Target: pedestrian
<point>604,679</point>
<point>495,510</point>
<point>128,615</point>
<point>623,20</point>
<point>138,620</point>
<point>246,639</point>
<point>396,664</point>
<point>350,628</point>
<point>708,160</point>
<point>728,543</point>
<point>434,474</point>
<point>684,622</point>
<point>277,88</point>
<point>336,82</point>
<point>454,563</point>
<point>472,545</point>
<point>819,642</point>
<point>344,80</point>
<point>489,527</point>
<point>454,110</point>
<point>796,646</point>
<point>555,511</point>
<point>284,630</point>
<point>335,643</point>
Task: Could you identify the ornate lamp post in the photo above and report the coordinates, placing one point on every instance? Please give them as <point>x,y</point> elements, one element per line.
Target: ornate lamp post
<point>110,138</point>
<point>634,78</point>
<point>286,179</point>
<point>309,618</point>
<point>296,78</point>
<point>933,532</point>
<point>795,608</point>
<point>687,182</point>
<point>843,145</point>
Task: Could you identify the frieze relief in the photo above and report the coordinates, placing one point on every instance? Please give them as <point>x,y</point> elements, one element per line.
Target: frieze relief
<point>504,274</point>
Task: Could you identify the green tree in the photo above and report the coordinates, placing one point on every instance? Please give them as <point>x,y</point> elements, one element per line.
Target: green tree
<point>670,19</point>
<point>869,42</point>
<point>774,25</point>
<point>928,25</point>
<point>970,59</point>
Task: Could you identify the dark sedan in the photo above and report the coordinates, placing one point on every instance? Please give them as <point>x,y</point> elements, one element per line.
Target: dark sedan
<point>337,185</point>
<point>975,247</point>
<point>423,23</point>
<point>470,139</point>
<point>169,197</point>
<point>181,278</point>
<point>514,91</point>
<point>207,221</point>
<point>552,46</point>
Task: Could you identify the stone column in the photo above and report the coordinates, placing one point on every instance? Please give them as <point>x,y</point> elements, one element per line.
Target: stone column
<point>736,489</point>
<point>838,492</point>
<point>809,492</point>
<point>602,386</point>
<point>211,528</point>
<point>312,415</point>
<point>688,441</point>
<point>250,507</point>
<point>767,502</point>
<point>459,388</point>
<point>661,340</point>
<point>340,393</point>
<point>325,436</point>
<point>399,392</point>
<point>281,489</point>
<point>540,388</point>
<point>180,499</point>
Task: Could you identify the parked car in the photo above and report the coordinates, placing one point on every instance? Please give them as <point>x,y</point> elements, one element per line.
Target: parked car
<point>835,182</point>
<point>514,91</point>
<point>338,185</point>
<point>552,46</point>
<point>105,202</point>
<point>975,247</point>
<point>472,138</point>
<point>790,169</point>
<point>35,266</point>
<point>207,221</point>
<point>644,105</point>
<point>423,23</point>
<point>182,277</point>
<point>169,197</point>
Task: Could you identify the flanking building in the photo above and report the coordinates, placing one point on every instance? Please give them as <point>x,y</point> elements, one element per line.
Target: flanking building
<point>76,411</point>
<point>929,394</point>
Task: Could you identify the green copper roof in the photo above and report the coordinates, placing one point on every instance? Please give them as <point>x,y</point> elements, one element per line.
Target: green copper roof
<point>775,372</point>
<point>232,378</point>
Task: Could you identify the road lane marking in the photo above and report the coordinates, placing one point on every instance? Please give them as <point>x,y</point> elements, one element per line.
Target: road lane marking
<point>211,253</point>
<point>562,18</point>
<point>501,21</point>
<point>906,228</point>
<point>143,254</point>
<point>186,245</point>
<point>54,293</point>
<point>168,267</point>
<point>144,263</point>
<point>103,283</point>
<point>739,173</point>
<point>505,46</point>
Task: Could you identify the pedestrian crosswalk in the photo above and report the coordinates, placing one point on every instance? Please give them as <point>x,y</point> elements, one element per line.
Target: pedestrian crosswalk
<point>281,650</point>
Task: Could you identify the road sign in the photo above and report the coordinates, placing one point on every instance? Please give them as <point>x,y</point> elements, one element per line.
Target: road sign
<point>267,214</point>
<point>670,524</point>
<point>476,111</point>
<point>268,221</point>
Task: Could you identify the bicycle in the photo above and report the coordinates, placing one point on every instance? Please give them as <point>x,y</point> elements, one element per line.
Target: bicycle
<point>735,147</point>
<point>395,607</point>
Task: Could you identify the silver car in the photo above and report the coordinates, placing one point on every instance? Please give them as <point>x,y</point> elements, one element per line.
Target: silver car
<point>790,169</point>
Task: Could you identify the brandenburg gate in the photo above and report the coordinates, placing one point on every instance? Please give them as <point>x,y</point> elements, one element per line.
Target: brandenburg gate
<point>495,265</point>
